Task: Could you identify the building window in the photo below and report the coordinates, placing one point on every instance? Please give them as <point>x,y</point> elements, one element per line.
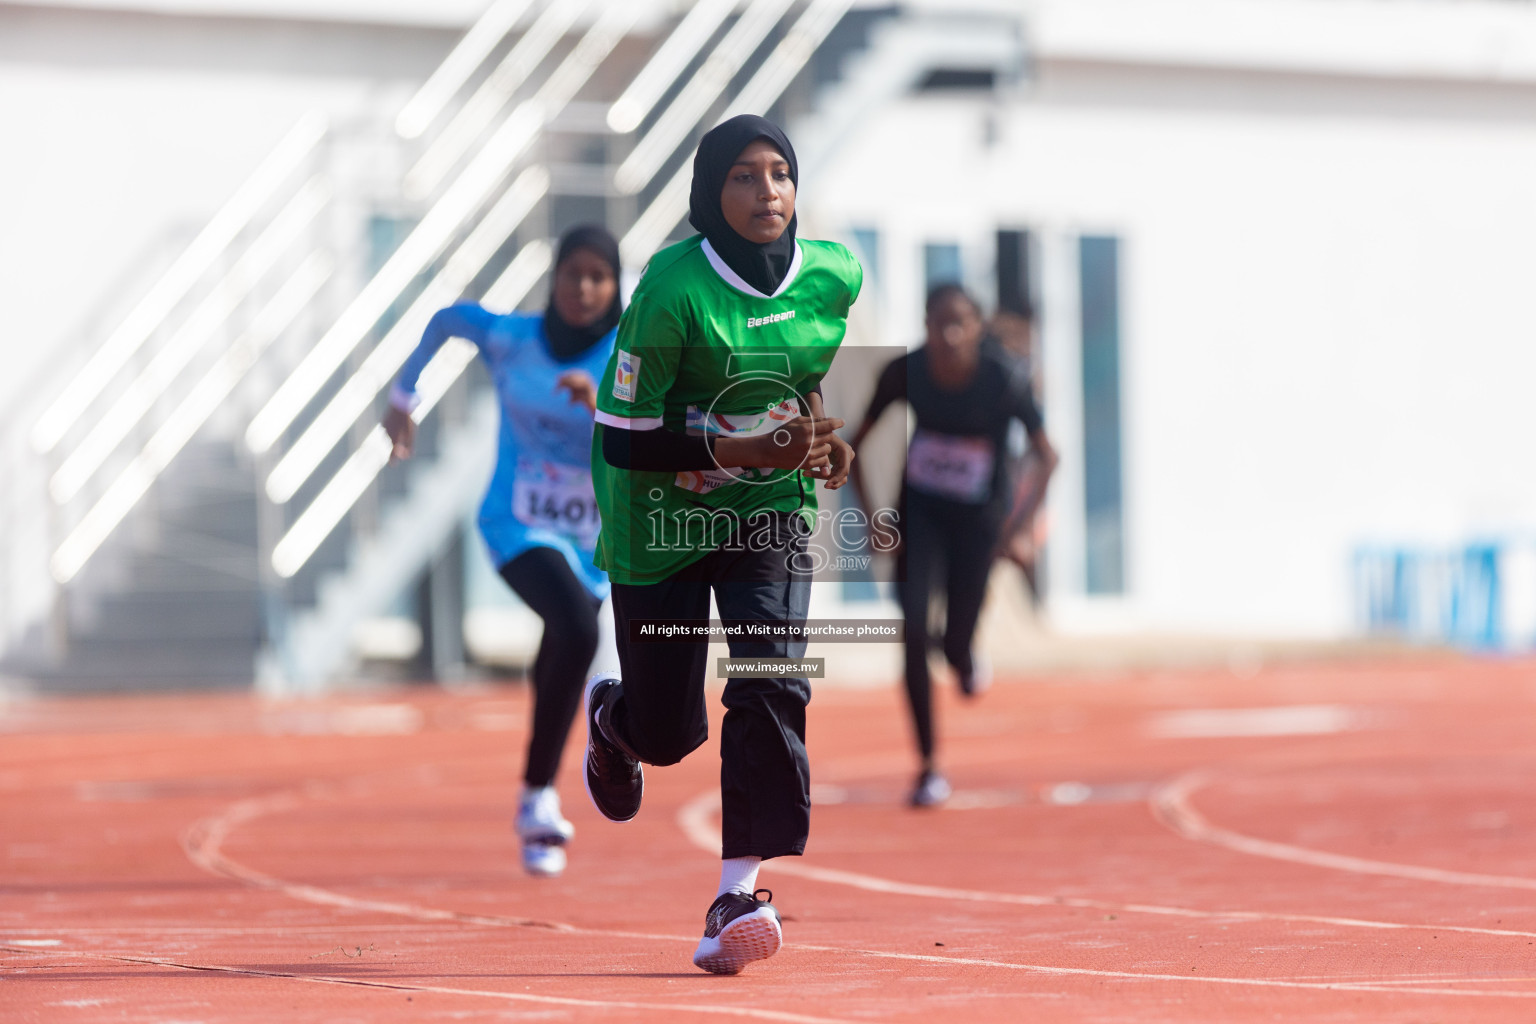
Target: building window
<point>1099,277</point>
<point>957,78</point>
<point>941,264</point>
<point>866,246</point>
<point>1015,288</point>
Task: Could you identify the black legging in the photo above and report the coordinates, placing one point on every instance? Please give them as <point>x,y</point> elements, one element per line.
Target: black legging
<point>949,542</point>
<point>545,582</point>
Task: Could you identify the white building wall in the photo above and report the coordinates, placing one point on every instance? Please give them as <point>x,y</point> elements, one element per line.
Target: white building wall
<point>441,13</point>
<point>124,132</point>
<point>1326,326</point>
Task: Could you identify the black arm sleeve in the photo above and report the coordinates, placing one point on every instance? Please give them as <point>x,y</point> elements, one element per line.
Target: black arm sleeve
<point>657,449</point>
<point>891,386</point>
<point>805,404</point>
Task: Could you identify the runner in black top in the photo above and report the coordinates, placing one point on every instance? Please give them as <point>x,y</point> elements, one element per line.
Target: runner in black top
<point>963,391</point>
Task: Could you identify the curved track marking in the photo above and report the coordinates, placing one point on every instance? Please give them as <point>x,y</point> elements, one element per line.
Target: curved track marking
<point>713,1009</point>
<point>736,1011</point>
<point>1329,986</point>
<point>1444,980</point>
<point>695,820</point>
<point>1171,805</point>
<point>203,843</point>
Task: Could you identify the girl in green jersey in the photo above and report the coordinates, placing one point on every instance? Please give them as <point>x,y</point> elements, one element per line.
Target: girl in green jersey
<point>710,440</point>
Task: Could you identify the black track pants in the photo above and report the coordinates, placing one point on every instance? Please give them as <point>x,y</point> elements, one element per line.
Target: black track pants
<point>545,582</point>
<point>942,542</point>
<point>764,773</point>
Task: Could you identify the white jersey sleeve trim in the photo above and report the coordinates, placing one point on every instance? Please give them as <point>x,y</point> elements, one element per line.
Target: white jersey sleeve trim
<point>405,401</point>
<point>733,279</point>
<point>608,419</point>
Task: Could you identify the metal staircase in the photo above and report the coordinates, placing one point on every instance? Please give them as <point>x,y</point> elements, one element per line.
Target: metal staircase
<point>217,489</point>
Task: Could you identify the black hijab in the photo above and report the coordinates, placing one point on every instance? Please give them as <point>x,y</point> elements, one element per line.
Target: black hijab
<point>762,265</point>
<point>566,342</point>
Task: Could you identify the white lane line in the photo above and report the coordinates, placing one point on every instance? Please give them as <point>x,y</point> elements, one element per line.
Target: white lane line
<point>317,927</point>
<point>1345,986</point>
<point>1171,805</point>
<point>203,840</point>
<point>1292,720</point>
<point>1448,981</point>
<point>713,1009</point>
<point>1373,978</point>
<point>203,843</point>
<point>695,819</point>
<point>793,1018</point>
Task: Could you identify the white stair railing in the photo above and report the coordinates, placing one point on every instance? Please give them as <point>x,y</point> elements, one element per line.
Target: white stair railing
<point>669,61</point>
<point>486,168</point>
<point>653,226</point>
<point>355,398</point>
<point>189,268</point>
<point>432,236</point>
<point>110,422</point>
<point>901,52</point>
<point>106,408</point>
<point>278,243</point>
<point>215,386</point>
<point>200,329</point>
<point>363,466</point>
<point>700,93</point>
<point>439,89</point>
<point>352,481</point>
<point>472,119</point>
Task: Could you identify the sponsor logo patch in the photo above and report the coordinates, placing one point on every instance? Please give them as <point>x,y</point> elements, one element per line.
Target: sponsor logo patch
<point>758,321</point>
<point>625,376</point>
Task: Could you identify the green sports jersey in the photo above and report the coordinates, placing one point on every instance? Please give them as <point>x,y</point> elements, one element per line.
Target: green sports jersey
<point>701,351</point>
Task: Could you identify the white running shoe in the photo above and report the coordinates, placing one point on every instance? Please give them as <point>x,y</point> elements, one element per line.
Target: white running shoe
<point>544,832</point>
<point>543,859</point>
<point>931,790</point>
<point>738,930</point>
<point>979,679</point>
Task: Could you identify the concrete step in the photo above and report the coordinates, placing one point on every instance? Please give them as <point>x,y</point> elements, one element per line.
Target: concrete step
<point>149,659</point>
<point>231,615</point>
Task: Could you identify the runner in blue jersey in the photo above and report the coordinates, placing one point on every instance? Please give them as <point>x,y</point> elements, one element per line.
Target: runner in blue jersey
<point>539,518</point>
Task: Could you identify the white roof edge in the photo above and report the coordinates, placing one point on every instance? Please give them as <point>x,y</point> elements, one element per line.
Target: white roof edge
<point>452,14</point>
<point>1471,40</point>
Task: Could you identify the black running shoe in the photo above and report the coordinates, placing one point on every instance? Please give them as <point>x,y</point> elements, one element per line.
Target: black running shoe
<point>614,780</point>
<point>738,930</point>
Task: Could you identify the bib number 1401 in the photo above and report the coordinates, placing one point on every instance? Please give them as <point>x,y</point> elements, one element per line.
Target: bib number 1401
<point>556,497</point>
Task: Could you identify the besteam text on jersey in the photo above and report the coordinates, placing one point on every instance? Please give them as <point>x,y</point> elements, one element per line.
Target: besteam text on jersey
<point>772,318</point>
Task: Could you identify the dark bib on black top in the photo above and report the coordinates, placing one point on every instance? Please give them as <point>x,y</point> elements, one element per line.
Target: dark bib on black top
<point>958,452</point>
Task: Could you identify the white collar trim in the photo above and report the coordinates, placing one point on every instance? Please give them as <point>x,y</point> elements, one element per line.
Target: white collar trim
<point>733,279</point>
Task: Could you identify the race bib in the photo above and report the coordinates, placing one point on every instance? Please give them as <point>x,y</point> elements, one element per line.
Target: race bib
<point>957,468</point>
<point>700,421</point>
<point>553,496</point>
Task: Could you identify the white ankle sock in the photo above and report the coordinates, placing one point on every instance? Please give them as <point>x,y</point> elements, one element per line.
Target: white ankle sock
<point>532,794</point>
<point>738,874</point>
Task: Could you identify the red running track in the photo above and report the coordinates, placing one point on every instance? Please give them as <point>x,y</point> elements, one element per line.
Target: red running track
<point>1328,843</point>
